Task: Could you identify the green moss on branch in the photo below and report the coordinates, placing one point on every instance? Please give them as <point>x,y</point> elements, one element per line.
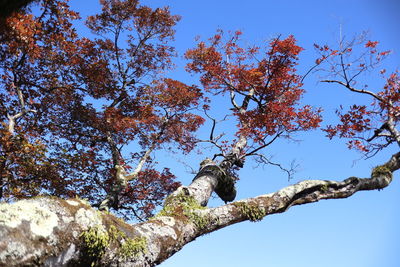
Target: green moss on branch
<point>381,170</point>
<point>183,206</point>
<point>96,240</point>
<point>133,247</point>
<point>251,211</point>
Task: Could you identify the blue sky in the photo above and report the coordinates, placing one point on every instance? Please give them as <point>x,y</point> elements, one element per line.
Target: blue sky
<point>361,231</point>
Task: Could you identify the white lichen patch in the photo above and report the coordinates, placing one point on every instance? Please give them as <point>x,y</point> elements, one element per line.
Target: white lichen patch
<point>159,230</point>
<point>73,202</point>
<point>41,220</point>
<point>88,218</point>
<point>290,191</point>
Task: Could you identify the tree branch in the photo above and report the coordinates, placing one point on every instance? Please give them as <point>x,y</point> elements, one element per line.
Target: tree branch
<point>54,232</point>
<point>13,118</point>
<point>121,177</point>
<point>360,91</point>
<point>309,191</point>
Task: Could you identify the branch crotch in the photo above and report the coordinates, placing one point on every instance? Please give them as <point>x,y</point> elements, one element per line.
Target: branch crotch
<point>212,177</point>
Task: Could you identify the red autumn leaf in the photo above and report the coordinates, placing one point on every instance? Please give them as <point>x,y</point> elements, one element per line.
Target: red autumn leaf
<point>371,44</point>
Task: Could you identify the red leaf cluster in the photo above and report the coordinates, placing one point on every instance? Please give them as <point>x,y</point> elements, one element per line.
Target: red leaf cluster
<point>70,105</point>
<point>269,78</point>
<point>148,191</point>
<point>357,120</point>
<point>366,126</point>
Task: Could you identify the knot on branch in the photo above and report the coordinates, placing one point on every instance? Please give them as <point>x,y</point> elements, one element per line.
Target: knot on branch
<point>226,188</point>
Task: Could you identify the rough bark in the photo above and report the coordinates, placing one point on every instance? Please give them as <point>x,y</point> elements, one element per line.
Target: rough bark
<point>47,231</point>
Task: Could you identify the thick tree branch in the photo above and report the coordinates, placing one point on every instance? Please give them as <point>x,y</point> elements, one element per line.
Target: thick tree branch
<point>54,232</point>
<point>308,191</point>
<point>392,129</point>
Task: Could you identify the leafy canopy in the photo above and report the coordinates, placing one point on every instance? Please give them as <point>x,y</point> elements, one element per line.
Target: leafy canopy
<point>73,106</point>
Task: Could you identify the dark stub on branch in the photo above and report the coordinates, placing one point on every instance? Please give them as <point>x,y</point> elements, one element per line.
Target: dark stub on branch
<point>226,188</point>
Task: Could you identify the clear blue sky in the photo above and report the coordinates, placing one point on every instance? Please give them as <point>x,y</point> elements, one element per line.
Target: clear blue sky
<point>361,231</point>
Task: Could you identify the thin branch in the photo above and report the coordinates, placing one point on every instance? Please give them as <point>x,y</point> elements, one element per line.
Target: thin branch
<point>233,101</point>
<point>265,145</point>
<point>378,132</point>
<point>116,37</point>
<point>214,123</point>
<point>146,156</point>
<point>290,172</point>
<point>308,72</point>
<point>213,142</point>
<point>13,118</point>
<point>361,91</point>
<point>142,161</point>
<point>140,218</point>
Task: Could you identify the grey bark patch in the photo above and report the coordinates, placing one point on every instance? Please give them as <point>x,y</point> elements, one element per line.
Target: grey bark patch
<point>14,249</point>
<point>63,258</point>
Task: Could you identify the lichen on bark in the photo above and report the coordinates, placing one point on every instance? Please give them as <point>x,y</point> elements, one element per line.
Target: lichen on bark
<point>381,170</point>
<point>97,240</point>
<point>251,211</point>
<point>184,207</point>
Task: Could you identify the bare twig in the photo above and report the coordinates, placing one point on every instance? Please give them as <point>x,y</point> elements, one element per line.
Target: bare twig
<point>264,145</point>
<point>361,91</point>
<point>264,160</point>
